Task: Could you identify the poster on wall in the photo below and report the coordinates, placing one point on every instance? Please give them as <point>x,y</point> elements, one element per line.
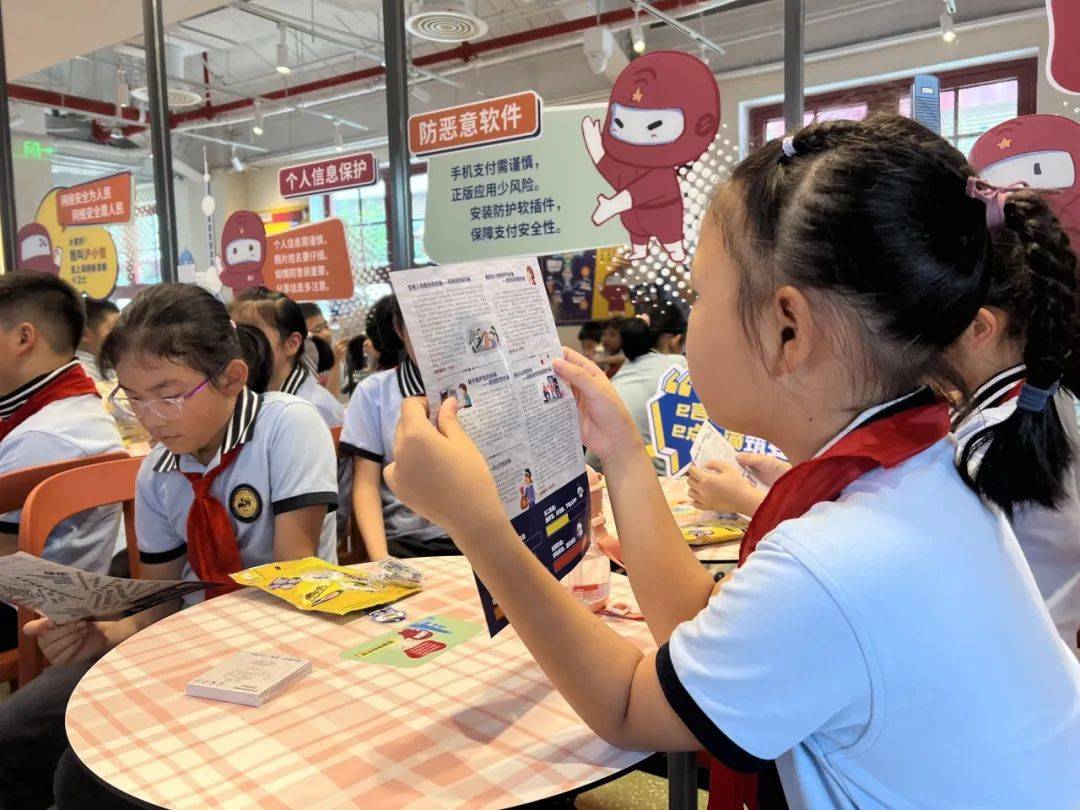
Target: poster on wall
<point>594,175</point>
<point>586,285</point>
<point>67,237</point>
<point>1042,151</point>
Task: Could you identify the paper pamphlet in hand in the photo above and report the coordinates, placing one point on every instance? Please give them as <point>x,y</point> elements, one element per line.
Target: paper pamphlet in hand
<point>66,594</point>
<point>711,445</point>
<point>483,333</point>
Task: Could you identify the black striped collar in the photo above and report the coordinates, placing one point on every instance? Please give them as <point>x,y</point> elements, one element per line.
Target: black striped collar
<point>994,391</point>
<point>17,398</point>
<point>297,377</point>
<point>991,393</point>
<point>240,430</point>
<point>409,381</point>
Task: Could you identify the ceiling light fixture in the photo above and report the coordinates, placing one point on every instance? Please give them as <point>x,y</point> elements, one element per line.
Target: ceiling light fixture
<point>237,164</point>
<point>637,32</point>
<point>283,54</point>
<point>257,126</point>
<point>339,144</point>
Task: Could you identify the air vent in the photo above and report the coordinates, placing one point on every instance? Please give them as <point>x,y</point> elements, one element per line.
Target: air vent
<point>178,97</point>
<point>445,21</point>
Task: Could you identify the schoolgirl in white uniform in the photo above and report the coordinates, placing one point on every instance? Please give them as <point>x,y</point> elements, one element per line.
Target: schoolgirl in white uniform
<point>883,639</point>
<point>386,524</point>
<point>1024,398</point>
<point>237,480</point>
<point>282,321</point>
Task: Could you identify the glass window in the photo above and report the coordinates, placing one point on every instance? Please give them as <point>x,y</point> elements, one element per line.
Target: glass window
<point>418,185</point>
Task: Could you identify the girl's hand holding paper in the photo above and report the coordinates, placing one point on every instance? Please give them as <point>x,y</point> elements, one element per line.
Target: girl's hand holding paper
<point>439,473</point>
<point>606,425</point>
<point>721,486</point>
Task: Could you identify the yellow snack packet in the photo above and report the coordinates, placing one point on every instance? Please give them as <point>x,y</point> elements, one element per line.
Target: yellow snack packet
<point>314,584</point>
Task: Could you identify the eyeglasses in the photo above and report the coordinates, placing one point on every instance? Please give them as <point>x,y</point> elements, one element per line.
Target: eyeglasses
<point>164,408</point>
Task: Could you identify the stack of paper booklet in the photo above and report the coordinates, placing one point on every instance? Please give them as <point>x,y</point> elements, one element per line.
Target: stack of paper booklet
<point>249,678</point>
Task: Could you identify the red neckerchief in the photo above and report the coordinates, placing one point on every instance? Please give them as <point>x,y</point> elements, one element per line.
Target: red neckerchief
<point>67,381</point>
<point>888,438</point>
<point>211,539</point>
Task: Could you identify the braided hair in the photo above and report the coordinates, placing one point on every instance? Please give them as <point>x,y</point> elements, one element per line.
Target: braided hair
<point>1034,280</point>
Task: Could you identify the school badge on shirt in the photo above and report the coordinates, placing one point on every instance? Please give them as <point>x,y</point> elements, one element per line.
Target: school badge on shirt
<point>245,503</point>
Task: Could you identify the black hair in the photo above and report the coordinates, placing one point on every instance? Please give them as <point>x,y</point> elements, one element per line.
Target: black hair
<point>382,334</point>
<point>255,350</point>
<point>355,362</point>
<point>48,302</point>
<point>872,221</point>
<point>98,311</point>
<point>326,354</point>
<point>182,323</point>
<point>1034,280</point>
<point>593,330</point>
<point>309,309</point>
<point>276,310</point>
<point>641,336</point>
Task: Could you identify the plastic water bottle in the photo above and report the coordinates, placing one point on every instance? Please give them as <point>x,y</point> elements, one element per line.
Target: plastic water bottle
<point>590,581</point>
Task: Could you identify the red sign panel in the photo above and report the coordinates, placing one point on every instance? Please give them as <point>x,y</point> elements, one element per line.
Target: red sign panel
<point>333,174</point>
<point>310,263</point>
<point>496,120</point>
<point>99,202</point>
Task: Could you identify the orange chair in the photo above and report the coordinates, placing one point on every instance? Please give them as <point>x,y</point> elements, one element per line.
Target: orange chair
<point>14,489</point>
<point>58,498</point>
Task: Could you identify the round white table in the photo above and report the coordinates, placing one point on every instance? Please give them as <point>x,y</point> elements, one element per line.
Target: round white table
<point>480,726</point>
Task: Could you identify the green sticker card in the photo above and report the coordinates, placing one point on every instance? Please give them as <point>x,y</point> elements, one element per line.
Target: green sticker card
<point>415,644</point>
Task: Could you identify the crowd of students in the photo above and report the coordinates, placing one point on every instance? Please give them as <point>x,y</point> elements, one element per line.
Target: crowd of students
<point>902,331</point>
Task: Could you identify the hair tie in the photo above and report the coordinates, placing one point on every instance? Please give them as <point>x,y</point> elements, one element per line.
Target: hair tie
<point>1035,399</point>
<point>644,316</point>
<point>788,145</point>
<point>232,323</point>
<point>993,197</point>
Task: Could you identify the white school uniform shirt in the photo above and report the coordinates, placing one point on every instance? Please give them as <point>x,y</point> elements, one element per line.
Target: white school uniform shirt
<point>90,365</point>
<point>370,424</point>
<point>636,383</point>
<point>1049,538</point>
<point>303,384</point>
<point>888,649</point>
<point>75,427</point>
<point>287,462</point>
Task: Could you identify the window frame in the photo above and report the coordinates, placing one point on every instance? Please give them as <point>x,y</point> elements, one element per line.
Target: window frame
<point>883,96</point>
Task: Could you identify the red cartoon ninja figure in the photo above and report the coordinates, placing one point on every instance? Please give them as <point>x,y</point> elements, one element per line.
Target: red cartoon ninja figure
<point>243,249</point>
<point>663,113</point>
<point>36,251</point>
<point>1063,60</point>
<point>1042,151</point>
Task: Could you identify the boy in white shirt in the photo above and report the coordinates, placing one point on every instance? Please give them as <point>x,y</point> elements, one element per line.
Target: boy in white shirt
<point>50,411</point>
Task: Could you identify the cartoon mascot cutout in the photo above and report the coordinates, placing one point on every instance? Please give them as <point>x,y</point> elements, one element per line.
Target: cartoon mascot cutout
<point>36,251</point>
<point>663,113</point>
<point>243,250</point>
<point>1042,151</point>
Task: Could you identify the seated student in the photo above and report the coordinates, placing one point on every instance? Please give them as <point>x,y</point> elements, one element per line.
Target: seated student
<point>317,327</point>
<point>1009,358</point>
<point>100,318</point>
<point>280,319</point>
<point>50,410</point>
<point>883,639</point>
<point>387,526</point>
<point>237,480</point>
<point>653,342</point>
<point>611,341</point>
<point>590,336</point>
